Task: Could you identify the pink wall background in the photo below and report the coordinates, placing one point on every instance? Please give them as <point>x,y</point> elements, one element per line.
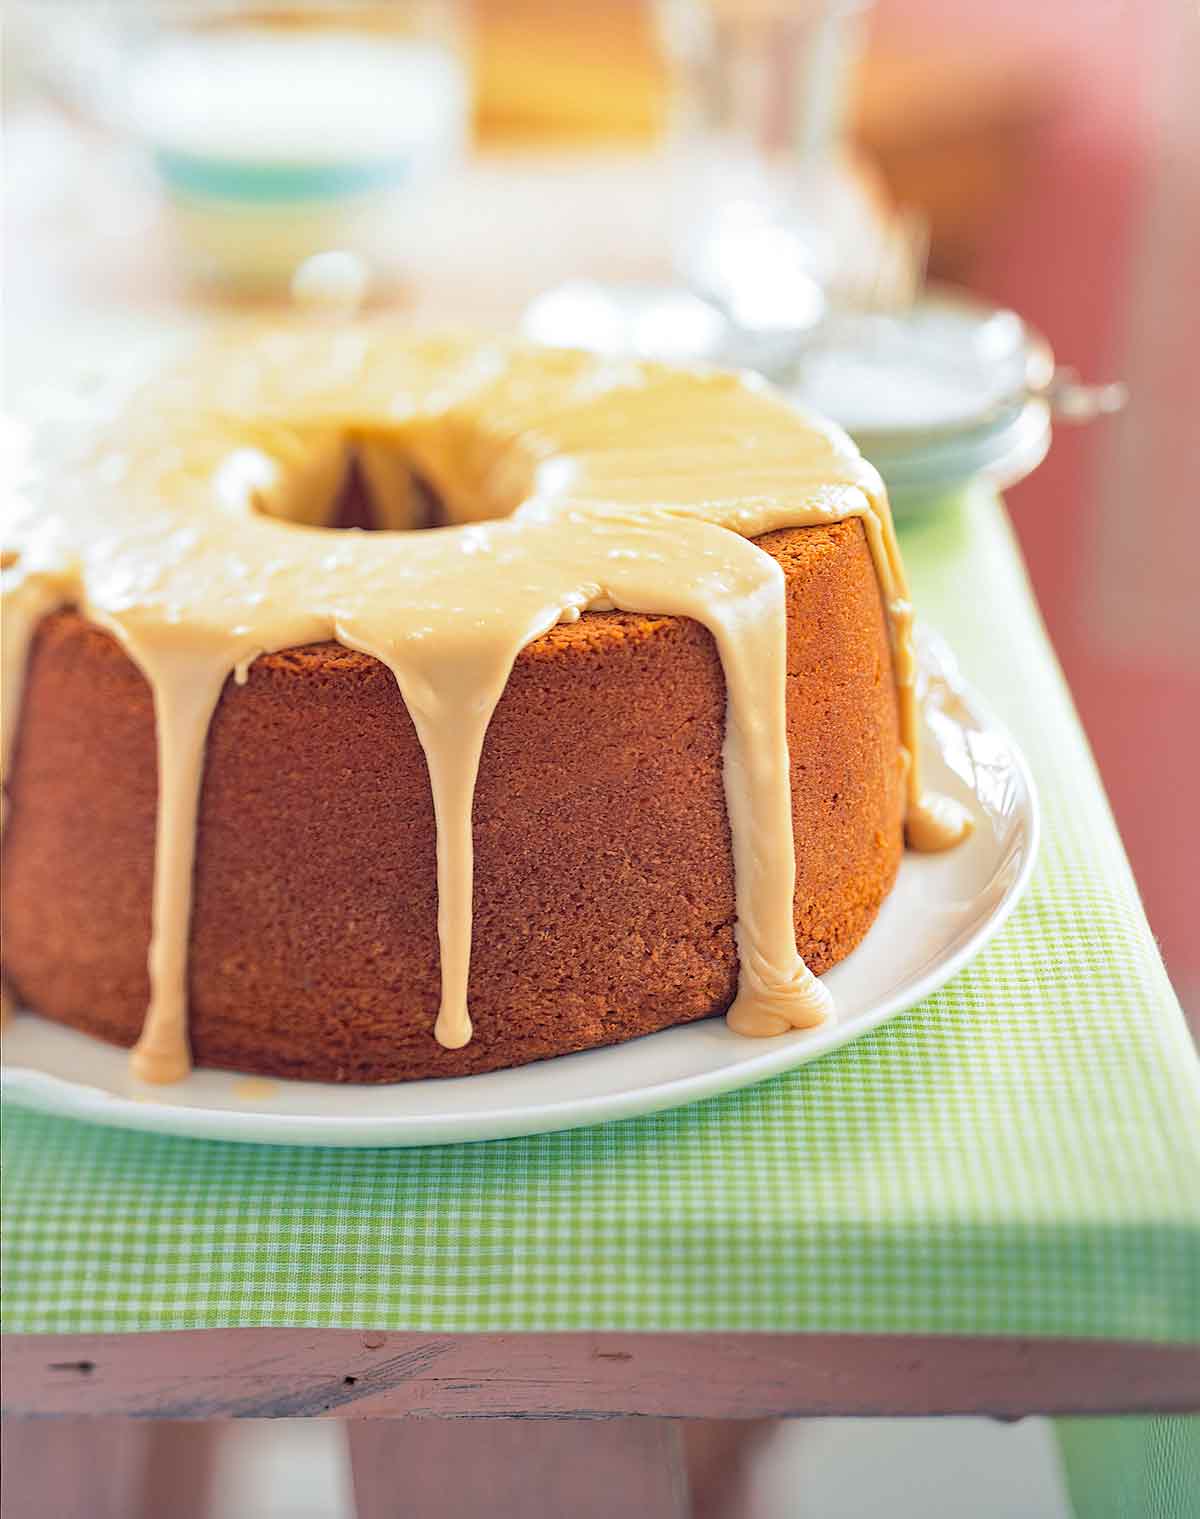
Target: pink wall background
<point>1102,252</point>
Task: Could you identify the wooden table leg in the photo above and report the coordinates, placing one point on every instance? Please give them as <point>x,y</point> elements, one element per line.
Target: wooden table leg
<point>177,1469</point>
<point>720,1456</point>
<point>517,1468</point>
<point>76,1468</point>
<point>106,1469</point>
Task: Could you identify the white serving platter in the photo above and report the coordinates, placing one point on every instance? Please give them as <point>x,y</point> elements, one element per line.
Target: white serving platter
<point>942,911</point>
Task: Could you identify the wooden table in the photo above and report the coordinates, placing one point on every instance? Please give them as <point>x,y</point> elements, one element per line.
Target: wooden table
<point>613,1403</point>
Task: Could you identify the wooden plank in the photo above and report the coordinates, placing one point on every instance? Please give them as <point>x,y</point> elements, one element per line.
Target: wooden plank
<point>511,1468</point>
<point>289,1373</point>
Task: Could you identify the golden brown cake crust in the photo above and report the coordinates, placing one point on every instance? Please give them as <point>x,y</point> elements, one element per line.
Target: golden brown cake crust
<point>604,898</point>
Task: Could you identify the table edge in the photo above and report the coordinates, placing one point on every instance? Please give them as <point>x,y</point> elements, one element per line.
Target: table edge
<point>347,1373</point>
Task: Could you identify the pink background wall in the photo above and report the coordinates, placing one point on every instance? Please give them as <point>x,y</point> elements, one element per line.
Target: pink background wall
<point>1102,252</point>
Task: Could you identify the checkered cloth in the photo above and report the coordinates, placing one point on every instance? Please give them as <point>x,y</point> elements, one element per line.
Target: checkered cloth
<point>1019,1155</point>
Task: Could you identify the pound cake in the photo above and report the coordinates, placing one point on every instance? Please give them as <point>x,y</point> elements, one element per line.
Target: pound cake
<point>609,727</point>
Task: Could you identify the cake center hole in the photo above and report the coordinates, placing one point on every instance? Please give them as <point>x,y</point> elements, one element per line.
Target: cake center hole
<point>409,505</point>
<point>369,485</point>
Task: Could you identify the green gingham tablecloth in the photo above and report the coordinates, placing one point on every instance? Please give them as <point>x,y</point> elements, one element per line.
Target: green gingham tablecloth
<point>1019,1155</point>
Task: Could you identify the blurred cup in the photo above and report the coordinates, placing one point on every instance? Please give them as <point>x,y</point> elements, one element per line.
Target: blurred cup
<point>766,202</point>
<point>280,130</point>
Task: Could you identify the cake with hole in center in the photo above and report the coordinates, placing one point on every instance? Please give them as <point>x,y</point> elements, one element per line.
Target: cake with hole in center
<point>381,707</point>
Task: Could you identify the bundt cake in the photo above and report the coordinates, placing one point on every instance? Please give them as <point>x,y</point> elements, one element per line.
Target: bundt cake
<point>628,740</point>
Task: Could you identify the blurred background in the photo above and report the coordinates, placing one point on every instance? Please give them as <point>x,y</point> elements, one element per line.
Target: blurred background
<point>786,183</point>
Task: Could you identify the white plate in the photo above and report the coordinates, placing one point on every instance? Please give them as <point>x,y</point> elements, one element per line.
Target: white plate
<point>942,911</point>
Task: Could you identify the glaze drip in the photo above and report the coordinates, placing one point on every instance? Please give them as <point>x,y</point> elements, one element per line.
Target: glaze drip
<point>571,483</point>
